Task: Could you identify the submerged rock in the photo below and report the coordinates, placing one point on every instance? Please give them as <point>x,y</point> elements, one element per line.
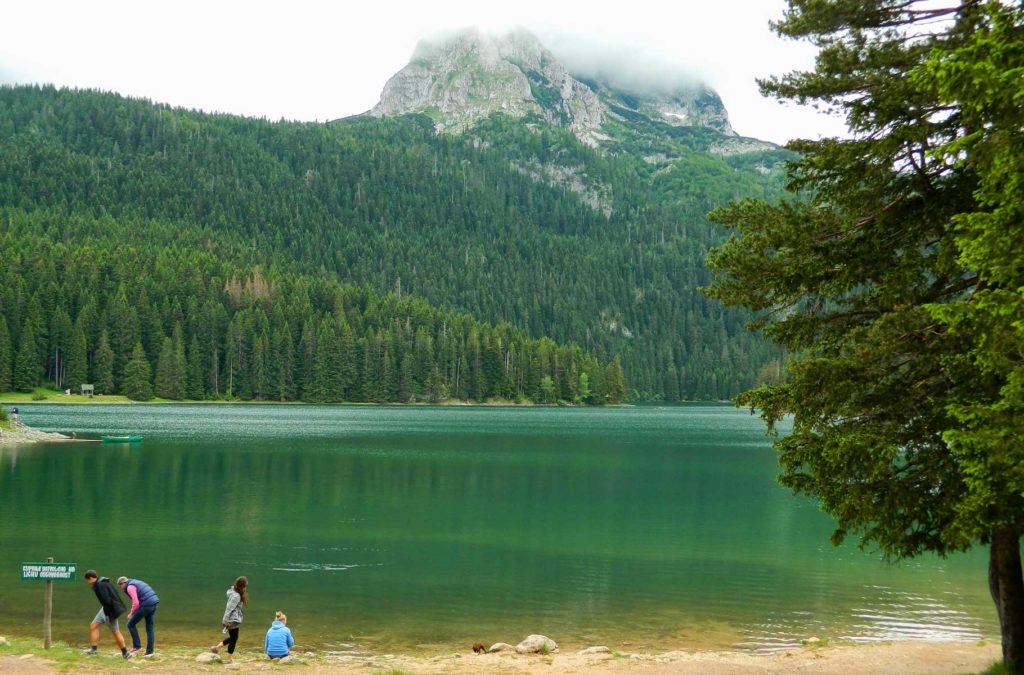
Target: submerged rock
<point>537,643</point>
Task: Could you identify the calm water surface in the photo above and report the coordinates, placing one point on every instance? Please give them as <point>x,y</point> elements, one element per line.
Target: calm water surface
<point>403,527</point>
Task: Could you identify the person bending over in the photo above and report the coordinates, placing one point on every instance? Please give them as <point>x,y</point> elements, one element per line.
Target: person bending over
<point>111,607</point>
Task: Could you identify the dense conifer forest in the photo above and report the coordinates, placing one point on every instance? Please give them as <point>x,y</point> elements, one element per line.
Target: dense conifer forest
<point>158,251</point>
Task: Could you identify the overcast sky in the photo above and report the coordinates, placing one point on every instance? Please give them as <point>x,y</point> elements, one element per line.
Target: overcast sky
<point>319,60</point>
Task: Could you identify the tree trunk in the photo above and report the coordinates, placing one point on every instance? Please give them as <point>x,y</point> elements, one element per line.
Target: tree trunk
<point>1006,584</point>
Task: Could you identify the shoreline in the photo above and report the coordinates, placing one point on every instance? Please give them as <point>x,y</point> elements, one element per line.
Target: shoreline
<point>25,435</point>
<point>59,398</point>
<point>911,658</point>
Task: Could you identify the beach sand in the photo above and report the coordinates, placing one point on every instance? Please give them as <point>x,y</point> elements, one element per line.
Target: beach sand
<point>910,658</point>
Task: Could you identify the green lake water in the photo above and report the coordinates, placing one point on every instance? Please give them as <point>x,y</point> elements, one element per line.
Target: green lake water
<point>415,527</point>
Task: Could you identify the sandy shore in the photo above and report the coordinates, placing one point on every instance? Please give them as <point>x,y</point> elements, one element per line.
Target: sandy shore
<point>911,658</point>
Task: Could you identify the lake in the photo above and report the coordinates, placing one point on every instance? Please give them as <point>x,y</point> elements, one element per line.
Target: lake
<point>425,527</point>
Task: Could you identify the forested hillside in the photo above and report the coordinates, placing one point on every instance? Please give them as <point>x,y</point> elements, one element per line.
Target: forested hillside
<point>220,241</point>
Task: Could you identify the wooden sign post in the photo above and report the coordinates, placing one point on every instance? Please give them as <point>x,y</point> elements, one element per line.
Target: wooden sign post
<point>49,572</point>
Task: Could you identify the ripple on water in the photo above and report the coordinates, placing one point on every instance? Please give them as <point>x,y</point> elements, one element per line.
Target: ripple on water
<point>885,614</point>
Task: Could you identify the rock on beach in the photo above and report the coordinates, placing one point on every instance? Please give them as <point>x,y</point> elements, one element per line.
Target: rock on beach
<point>594,650</point>
<point>537,643</point>
<point>501,647</point>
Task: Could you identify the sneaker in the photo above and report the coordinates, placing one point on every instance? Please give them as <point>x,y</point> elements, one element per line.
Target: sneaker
<point>90,652</point>
<point>215,649</point>
<point>149,655</point>
<point>128,655</point>
<point>134,650</point>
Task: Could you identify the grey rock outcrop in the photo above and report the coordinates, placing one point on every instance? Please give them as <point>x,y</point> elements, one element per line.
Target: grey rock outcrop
<point>686,104</point>
<point>463,79</point>
<point>537,643</point>
<point>460,79</point>
<point>208,658</point>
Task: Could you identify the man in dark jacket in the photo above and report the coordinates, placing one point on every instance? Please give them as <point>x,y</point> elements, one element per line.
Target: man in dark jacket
<point>111,607</point>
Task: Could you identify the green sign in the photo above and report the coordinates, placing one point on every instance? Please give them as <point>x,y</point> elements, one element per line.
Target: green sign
<point>48,571</point>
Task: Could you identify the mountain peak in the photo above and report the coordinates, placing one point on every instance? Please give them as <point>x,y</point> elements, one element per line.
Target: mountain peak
<point>462,77</point>
<point>468,75</point>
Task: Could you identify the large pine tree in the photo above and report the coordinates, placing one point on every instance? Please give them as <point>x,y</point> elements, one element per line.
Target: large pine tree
<point>894,277</point>
<point>137,383</point>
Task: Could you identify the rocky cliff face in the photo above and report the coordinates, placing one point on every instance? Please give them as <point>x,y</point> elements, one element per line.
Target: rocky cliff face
<point>462,79</point>
<point>469,76</point>
<point>686,106</point>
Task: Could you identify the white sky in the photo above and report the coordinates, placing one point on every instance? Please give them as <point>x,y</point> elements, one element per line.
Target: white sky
<point>321,60</point>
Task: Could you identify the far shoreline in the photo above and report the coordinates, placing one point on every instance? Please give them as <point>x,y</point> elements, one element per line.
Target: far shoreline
<point>53,397</point>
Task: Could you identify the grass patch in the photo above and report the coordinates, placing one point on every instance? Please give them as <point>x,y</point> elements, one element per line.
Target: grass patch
<point>65,658</point>
<point>996,668</point>
<point>55,396</point>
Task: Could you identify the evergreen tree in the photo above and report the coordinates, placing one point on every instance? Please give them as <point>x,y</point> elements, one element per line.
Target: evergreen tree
<point>103,366</point>
<point>194,370</point>
<point>305,375</point>
<point>170,372</point>
<point>27,371</point>
<point>614,382</point>
<point>137,385</point>
<point>261,367</point>
<point>36,325</point>
<point>283,384</point>
<point>78,359</point>
<point>59,345</point>
<point>6,361</point>
<point>894,280</point>
<point>406,379</point>
<point>123,331</point>
<point>585,395</point>
<point>547,390</point>
<point>349,369</point>
<point>328,386</point>
<point>435,388</point>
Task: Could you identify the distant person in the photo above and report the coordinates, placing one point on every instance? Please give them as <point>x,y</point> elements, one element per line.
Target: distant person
<point>144,601</point>
<point>238,598</point>
<point>111,607</point>
<point>14,417</point>
<point>279,638</point>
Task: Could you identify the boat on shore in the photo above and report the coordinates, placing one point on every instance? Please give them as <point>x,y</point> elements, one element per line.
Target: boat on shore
<point>121,439</point>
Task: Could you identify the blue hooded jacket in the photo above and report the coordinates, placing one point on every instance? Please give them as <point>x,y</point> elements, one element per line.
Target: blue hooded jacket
<point>279,639</point>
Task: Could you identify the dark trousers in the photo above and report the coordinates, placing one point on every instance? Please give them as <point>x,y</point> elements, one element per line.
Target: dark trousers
<point>146,612</point>
<point>232,639</point>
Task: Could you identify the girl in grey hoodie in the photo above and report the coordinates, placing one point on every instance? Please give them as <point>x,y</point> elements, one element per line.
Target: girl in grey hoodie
<point>238,598</point>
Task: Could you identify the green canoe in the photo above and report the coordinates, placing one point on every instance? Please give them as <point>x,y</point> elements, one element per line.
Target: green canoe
<point>121,439</point>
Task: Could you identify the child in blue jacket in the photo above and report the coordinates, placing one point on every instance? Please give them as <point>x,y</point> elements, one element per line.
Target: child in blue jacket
<point>279,638</point>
